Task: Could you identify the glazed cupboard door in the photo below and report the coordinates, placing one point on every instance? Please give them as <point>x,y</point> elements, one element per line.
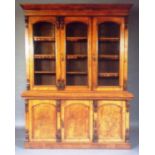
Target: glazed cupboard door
<point>43,51</point>
<point>76,121</point>
<point>108,53</point>
<point>111,121</point>
<point>76,53</point>
<point>42,120</point>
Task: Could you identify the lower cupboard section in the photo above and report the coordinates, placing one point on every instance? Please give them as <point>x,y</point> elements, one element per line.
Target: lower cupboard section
<point>77,123</point>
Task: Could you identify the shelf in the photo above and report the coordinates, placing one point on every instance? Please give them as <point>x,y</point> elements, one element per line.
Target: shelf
<point>36,38</point>
<point>111,57</point>
<point>44,72</point>
<point>108,74</point>
<point>77,73</point>
<point>44,56</point>
<point>76,38</point>
<point>109,39</point>
<point>76,56</point>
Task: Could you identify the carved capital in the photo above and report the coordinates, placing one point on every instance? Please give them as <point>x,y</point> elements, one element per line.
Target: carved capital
<point>127,106</point>
<point>60,22</point>
<point>95,105</point>
<point>28,84</point>
<point>127,135</point>
<point>26,134</point>
<point>26,106</point>
<point>125,84</point>
<point>58,135</point>
<point>26,21</point>
<point>58,106</point>
<point>95,136</point>
<point>126,22</point>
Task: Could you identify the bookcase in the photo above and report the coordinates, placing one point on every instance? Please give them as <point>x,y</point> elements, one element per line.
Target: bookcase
<point>76,68</point>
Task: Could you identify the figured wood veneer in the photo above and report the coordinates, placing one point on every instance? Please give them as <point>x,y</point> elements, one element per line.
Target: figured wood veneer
<point>76,71</point>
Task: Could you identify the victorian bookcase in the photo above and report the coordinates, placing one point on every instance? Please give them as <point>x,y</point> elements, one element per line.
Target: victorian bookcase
<point>76,69</point>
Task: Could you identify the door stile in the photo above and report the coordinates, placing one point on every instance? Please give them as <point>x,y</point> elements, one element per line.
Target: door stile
<point>58,51</point>
<point>94,53</point>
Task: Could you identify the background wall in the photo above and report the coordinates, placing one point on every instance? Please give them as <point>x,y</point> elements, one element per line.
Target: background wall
<point>133,70</point>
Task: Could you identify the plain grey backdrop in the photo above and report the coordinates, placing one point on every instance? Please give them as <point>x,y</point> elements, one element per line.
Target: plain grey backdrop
<point>133,70</point>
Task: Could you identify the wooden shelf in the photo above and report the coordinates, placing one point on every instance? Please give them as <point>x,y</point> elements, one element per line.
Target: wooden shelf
<point>108,38</point>
<point>111,57</point>
<point>108,74</point>
<point>44,56</point>
<point>76,38</point>
<point>44,72</point>
<point>36,38</point>
<point>77,73</point>
<point>76,56</point>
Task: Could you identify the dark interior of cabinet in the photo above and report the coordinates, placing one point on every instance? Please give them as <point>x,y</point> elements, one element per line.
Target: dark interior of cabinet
<point>44,47</point>
<point>45,65</point>
<point>79,80</point>
<point>45,79</point>
<point>108,47</point>
<point>108,54</point>
<point>109,81</point>
<point>76,29</point>
<point>43,29</point>
<point>75,66</point>
<point>76,54</point>
<point>109,29</point>
<point>78,47</point>
<point>44,68</point>
<point>108,66</point>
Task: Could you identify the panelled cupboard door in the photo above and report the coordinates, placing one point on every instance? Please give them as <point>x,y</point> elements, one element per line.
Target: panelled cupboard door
<point>111,121</point>
<point>44,61</point>
<point>77,121</point>
<point>76,53</point>
<point>42,120</point>
<point>108,53</point>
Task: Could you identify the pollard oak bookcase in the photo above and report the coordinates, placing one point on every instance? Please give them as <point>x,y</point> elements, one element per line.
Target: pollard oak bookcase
<point>76,68</point>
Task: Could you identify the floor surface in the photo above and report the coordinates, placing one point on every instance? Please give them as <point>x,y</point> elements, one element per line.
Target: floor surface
<point>20,150</point>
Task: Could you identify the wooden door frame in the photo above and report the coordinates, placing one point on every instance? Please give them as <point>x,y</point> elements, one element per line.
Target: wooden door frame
<point>123,51</point>
<point>87,21</point>
<point>30,52</point>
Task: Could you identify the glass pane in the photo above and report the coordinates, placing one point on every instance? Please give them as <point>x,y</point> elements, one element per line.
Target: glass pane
<point>76,29</point>
<point>44,54</point>
<point>109,29</point>
<point>43,79</point>
<point>76,54</point>
<point>77,80</point>
<point>44,65</point>
<point>44,47</point>
<point>78,47</point>
<point>73,65</point>
<point>43,29</point>
<point>108,54</point>
<point>109,47</point>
